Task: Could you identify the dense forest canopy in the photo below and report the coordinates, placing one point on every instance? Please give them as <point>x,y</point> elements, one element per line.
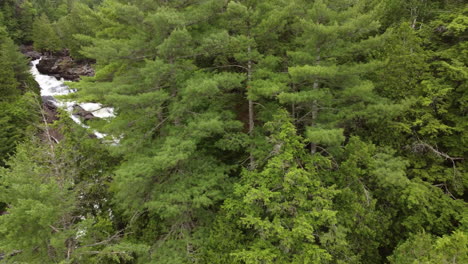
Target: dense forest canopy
<point>247,131</point>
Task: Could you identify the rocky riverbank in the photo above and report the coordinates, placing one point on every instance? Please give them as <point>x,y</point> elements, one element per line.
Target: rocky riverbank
<point>60,65</point>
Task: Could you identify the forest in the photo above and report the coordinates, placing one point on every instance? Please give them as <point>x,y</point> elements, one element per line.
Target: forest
<point>240,131</point>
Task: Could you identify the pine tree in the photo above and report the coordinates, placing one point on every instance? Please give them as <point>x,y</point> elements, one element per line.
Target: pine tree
<point>329,90</point>
<point>18,18</point>
<point>376,89</point>
<point>58,205</point>
<point>249,29</point>
<point>175,122</point>
<point>44,35</point>
<point>15,112</point>
<point>81,20</point>
<point>282,209</point>
<point>424,248</point>
<point>9,86</point>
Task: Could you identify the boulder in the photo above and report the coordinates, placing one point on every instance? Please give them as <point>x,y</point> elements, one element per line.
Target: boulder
<point>48,65</point>
<point>48,98</point>
<point>29,52</point>
<point>50,109</point>
<point>33,55</point>
<point>81,70</point>
<point>64,67</point>
<point>79,111</point>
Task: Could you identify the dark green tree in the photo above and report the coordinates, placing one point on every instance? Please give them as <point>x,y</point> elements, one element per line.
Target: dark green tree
<point>15,108</point>
<point>17,17</point>
<point>280,213</point>
<point>58,203</point>
<point>377,91</point>
<point>329,90</point>
<point>175,122</point>
<point>45,36</point>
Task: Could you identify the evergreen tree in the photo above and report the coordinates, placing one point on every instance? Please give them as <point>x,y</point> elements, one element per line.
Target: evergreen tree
<point>280,213</point>
<point>425,249</point>
<point>329,90</point>
<point>9,86</point>
<point>381,203</point>
<point>44,35</point>
<point>175,122</point>
<point>368,165</point>
<point>428,76</point>
<point>58,204</point>
<point>15,111</point>
<point>17,18</point>
<point>249,29</point>
<point>81,20</point>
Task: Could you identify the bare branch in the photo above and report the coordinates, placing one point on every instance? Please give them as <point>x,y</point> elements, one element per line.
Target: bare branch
<point>423,145</point>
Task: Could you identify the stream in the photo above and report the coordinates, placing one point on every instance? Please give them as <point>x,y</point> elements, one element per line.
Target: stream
<point>51,87</point>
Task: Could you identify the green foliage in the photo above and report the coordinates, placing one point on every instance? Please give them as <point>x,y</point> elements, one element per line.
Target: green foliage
<point>326,137</point>
<point>45,36</point>
<point>17,17</point>
<point>422,248</point>
<point>58,207</point>
<point>16,119</point>
<point>368,165</point>
<point>389,205</point>
<point>425,71</point>
<point>81,20</point>
<point>281,208</point>
<point>16,97</point>
<point>32,194</point>
<point>328,68</point>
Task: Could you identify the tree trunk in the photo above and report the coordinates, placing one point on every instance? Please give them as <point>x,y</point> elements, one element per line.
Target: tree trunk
<point>251,107</point>
<point>315,87</point>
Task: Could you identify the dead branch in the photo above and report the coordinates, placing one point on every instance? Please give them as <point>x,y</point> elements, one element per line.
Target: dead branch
<point>423,145</point>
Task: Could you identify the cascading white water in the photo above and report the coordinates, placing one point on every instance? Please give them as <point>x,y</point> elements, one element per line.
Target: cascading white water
<point>52,87</point>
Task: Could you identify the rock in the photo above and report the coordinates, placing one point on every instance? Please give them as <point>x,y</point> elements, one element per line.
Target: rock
<point>29,52</point>
<point>92,136</point>
<point>88,116</point>
<point>79,111</point>
<point>48,65</point>
<point>50,109</point>
<point>33,55</point>
<point>64,67</point>
<point>48,98</point>
<point>50,106</point>
<point>83,70</point>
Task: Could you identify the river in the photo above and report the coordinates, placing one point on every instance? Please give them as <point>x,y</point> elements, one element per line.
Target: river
<point>51,88</point>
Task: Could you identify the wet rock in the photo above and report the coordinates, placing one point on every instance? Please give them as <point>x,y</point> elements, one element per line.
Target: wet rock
<point>82,70</point>
<point>48,66</point>
<point>50,109</point>
<point>92,136</point>
<point>50,112</point>
<point>33,55</point>
<point>64,67</point>
<point>88,116</point>
<point>29,52</point>
<point>79,111</point>
<point>48,98</point>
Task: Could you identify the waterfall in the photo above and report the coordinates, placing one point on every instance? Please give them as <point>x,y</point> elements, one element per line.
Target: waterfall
<point>51,87</point>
